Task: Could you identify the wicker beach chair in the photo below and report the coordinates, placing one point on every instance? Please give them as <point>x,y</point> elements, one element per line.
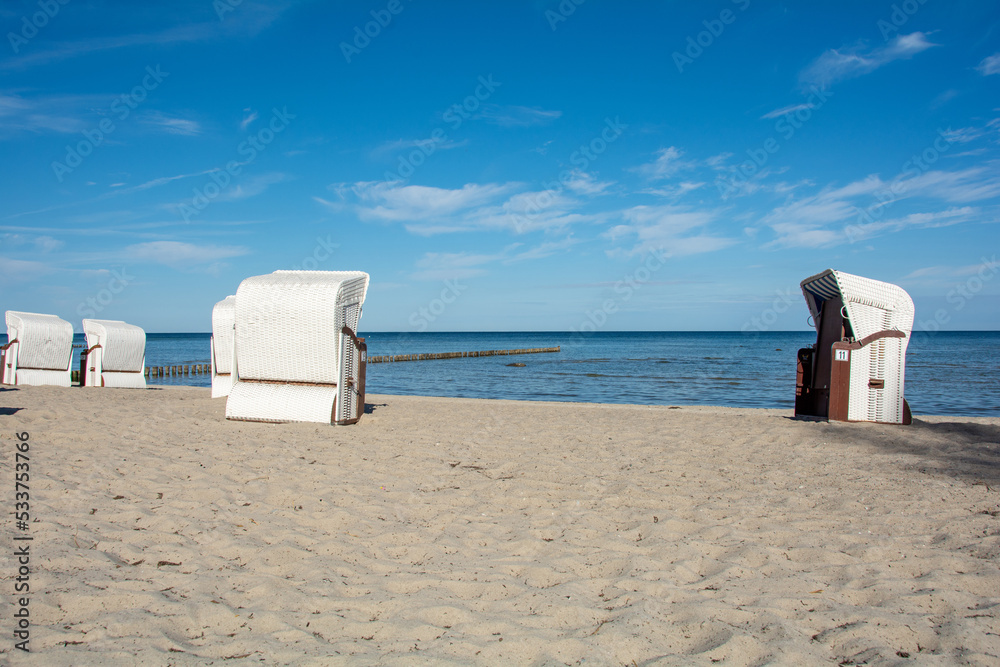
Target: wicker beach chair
<point>223,321</point>
<point>39,350</point>
<point>298,357</point>
<point>115,355</point>
<point>856,369</point>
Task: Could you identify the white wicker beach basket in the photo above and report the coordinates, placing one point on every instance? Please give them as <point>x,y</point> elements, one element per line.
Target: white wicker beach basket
<point>121,357</point>
<point>40,349</point>
<point>870,306</point>
<point>223,321</point>
<point>293,363</point>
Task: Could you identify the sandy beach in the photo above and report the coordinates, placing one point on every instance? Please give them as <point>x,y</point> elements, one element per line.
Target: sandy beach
<point>465,531</point>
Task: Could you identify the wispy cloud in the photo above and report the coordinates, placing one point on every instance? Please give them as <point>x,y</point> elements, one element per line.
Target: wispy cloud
<point>517,116</point>
<point>667,163</point>
<point>178,255</point>
<point>584,183</point>
<point>543,250</point>
<point>990,65</point>
<point>823,219</point>
<point>251,18</point>
<point>675,191</point>
<point>426,145</point>
<point>249,118</point>
<point>19,270</point>
<point>789,109</point>
<point>436,266</point>
<point>672,229</point>
<point>428,210</point>
<point>80,48</point>
<point>60,114</point>
<point>252,186</point>
<point>171,125</point>
<point>845,63</point>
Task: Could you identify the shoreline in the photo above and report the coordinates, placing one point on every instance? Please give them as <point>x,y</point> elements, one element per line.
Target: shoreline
<point>788,412</point>
<point>436,527</point>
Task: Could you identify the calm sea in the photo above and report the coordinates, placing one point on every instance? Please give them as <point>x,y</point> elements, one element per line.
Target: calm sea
<point>947,373</point>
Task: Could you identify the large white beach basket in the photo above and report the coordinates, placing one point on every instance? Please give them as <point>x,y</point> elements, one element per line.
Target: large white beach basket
<point>297,355</point>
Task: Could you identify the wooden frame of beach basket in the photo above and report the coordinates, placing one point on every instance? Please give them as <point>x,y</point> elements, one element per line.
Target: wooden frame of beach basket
<point>855,371</point>
<point>296,354</point>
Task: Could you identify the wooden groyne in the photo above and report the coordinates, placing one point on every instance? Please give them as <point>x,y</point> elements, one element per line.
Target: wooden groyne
<point>166,371</point>
<point>177,371</point>
<point>457,355</point>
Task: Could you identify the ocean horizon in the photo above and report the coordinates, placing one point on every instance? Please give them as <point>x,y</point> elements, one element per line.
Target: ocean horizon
<point>947,372</point>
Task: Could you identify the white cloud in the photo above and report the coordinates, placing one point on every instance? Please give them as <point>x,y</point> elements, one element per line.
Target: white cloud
<point>48,244</point>
<point>962,135</point>
<point>251,186</point>
<point>667,163</point>
<point>19,270</point>
<point>171,125</point>
<point>789,109</point>
<point>584,183</point>
<point>249,118</point>
<point>428,210</point>
<point>990,65</point>
<point>960,187</point>
<point>517,116</point>
<point>181,255</point>
<point>61,114</point>
<point>676,191</point>
<point>428,145</point>
<point>543,250</point>
<point>845,63</point>
<point>394,202</point>
<point>437,266</point>
<point>671,229</point>
<point>857,210</point>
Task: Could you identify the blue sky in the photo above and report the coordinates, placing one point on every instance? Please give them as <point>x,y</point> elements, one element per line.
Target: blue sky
<point>501,165</point>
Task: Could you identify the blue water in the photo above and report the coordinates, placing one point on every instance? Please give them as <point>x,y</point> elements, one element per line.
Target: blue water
<point>947,373</point>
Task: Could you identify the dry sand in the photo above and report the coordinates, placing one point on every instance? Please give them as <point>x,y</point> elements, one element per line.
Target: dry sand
<point>500,532</point>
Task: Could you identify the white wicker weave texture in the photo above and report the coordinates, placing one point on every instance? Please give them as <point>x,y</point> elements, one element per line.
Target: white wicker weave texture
<point>123,345</point>
<point>44,341</point>
<point>223,321</point>
<point>120,359</point>
<point>288,325</point>
<point>288,337</point>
